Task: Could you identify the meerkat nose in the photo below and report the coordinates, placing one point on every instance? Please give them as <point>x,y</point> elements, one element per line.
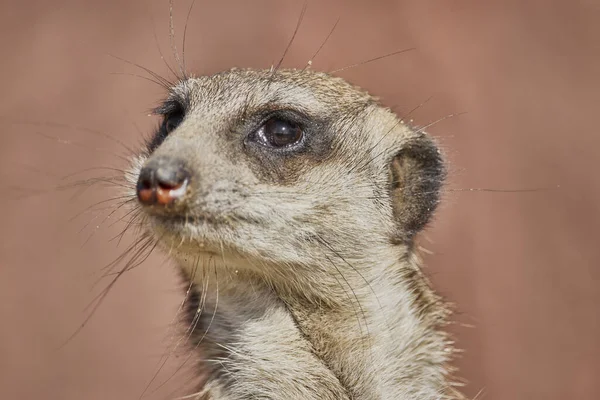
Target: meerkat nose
<point>162,181</point>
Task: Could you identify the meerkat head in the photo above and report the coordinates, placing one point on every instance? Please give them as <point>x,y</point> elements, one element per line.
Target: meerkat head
<point>271,171</point>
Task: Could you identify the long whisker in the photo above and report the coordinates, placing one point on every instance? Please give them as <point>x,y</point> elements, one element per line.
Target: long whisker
<point>358,303</point>
<point>418,131</point>
<point>164,82</point>
<point>287,48</point>
<point>408,114</point>
<point>491,190</point>
<point>371,60</point>
<point>100,298</point>
<point>132,222</point>
<point>172,39</point>
<point>61,125</point>
<point>120,171</point>
<point>187,20</point>
<point>97,212</point>
<point>310,60</point>
<point>139,77</point>
<point>126,197</point>
<point>165,357</point>
<point>81,145</point>
<point>106,218</point>
<point>162,57</point>
<point>199,342</point>
<point>337,253</point>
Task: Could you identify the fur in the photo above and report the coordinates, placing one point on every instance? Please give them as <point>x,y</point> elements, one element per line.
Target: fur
<point>304,274</point>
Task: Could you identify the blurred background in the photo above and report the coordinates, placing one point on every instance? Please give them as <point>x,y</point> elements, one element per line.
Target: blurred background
<point>522,267</point>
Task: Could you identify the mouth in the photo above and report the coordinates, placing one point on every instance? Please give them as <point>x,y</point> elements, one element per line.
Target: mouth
<point>181,224</point>
<point>190,234</point>
<point>198,233</point>
<point>174,220</point>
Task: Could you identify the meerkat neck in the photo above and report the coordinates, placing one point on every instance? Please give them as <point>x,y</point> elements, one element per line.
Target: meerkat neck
<point>384,340</point>
<point>380,341</point>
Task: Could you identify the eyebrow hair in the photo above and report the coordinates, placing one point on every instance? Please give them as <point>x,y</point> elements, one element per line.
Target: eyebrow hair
<point>169,106</point>
<point>178,100</point>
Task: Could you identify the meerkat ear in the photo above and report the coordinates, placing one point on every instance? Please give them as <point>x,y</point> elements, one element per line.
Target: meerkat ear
<point>417,174</point>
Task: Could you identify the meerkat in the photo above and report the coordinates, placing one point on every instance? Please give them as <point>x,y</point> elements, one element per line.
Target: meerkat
<point>290,200</point>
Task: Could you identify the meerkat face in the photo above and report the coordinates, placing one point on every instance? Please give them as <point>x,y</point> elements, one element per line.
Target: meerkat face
<point>264,169</point>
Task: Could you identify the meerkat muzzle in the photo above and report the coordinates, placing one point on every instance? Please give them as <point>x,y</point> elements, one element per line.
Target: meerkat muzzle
<point>162,182</point>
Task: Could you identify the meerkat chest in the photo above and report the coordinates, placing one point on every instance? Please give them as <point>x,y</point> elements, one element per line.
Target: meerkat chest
<point>348,340</point>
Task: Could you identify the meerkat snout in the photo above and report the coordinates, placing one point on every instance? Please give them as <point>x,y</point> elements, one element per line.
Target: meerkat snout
<point>162,181</point>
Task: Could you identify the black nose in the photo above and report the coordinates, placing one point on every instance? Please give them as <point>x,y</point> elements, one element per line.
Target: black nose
<point>162,181</point>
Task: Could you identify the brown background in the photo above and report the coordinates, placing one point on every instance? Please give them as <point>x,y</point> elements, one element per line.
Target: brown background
<point>523,268</point>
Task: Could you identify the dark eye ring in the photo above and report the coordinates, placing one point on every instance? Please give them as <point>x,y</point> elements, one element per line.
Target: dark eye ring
<point>171,121</point>
<point>280,133</point>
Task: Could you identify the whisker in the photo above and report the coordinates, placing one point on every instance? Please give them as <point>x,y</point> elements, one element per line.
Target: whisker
<point>132,211</point>
<point>116,209</point>
<point>199,342</point>
<point>163,81</point>
<point>172,39</point>
<point>437,121</point>
<point>97,212</point>
<point>100,299</point>
<point>372,59</point>
<point>287,48</point>
<point>362,311</point>
<point>84,185</point>
<point>310,60</point>
<point>360,167</point>
<point>98,203</point>
<point>162,57</point>
<point>102,168</point>
<point>491,190</point>
<point>138,215</point>
<point>165,356</point>
<point>417,107</point>
<point>81,145</point>
<point>133,265</point>
<point>61,125</point>
<point>187,20</point>
<point>330,247</point>
<point>418,131</point>
<point>139,77</point>
<point>144,239</point>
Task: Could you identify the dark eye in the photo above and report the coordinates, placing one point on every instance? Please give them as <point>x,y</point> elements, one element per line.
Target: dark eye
<point>278,132</point>
<point>172,121</point>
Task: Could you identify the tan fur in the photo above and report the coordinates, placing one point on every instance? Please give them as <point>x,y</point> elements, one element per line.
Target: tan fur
<point>309,287</point>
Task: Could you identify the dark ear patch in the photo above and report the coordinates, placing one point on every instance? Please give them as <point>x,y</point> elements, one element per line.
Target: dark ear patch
<point>417,174</point>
